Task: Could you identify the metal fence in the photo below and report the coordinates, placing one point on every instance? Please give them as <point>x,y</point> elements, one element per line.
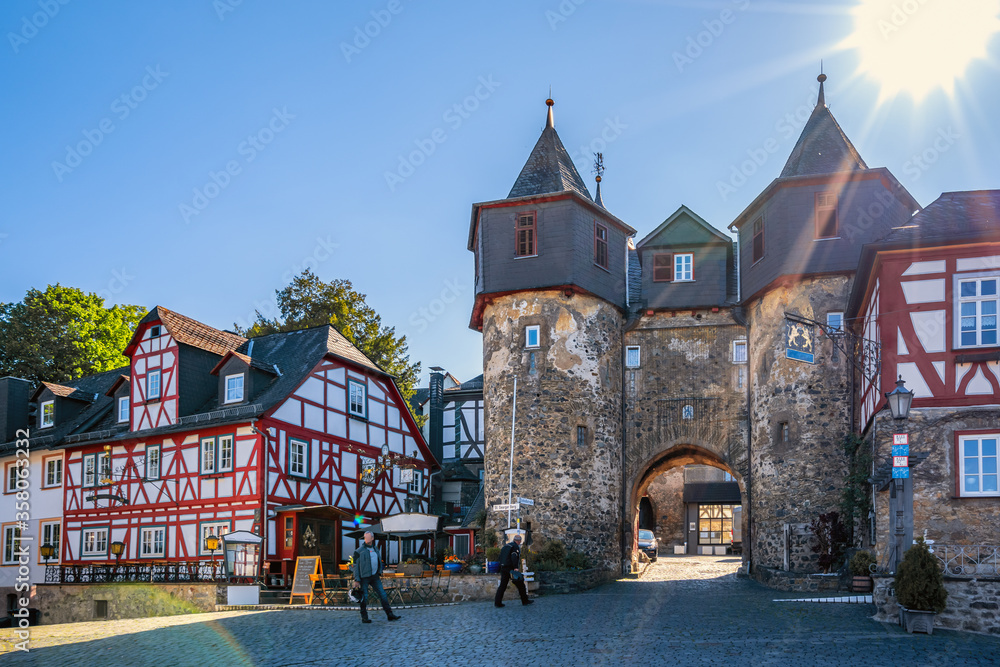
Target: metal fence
<point>966,560</point>
<point>166,572</point>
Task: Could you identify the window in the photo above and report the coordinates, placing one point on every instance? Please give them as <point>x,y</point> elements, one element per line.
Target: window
<point>740,351</point>
<point>90,470</point>
<point>715,524</point>
<point>217,528</point>
<point>978,461</point>
<point>225,461</point>
<point>289,532</point>
<point>977,303</point>
<point>152,542</point>
<point>417,484</point>
<point>632,356</point>
<point>601,245</point>
<point>153,385</point>
<point>684,266</point>
<point>525,235</point>
<point>826,215</point>
<point>123,409</point>
<point>356,395</point>
<point>48,414</point>
<point>663,267</point>
<point>234,388</point>
<point>94,542</point>
<point>51,534</point>
<point>532,336</point>
<point>461,546</point>
<point>298,457</point>
<point>207,456</point>
<point>154,331</point>
<point>783,432</point>
<point>53,471</point>
<point>11,542</point>
<point>835,322</point>
<point>11,478</point>
<point>758,239</point>
<point>103,469</point>
<point>581,436</point>
<point>153,462</point>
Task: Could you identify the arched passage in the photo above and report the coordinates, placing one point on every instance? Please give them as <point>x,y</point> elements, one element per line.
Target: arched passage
<point>711,509</point>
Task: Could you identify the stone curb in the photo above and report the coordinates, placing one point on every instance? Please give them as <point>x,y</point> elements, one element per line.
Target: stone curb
<point>848,599</point>
<point>314,607</point>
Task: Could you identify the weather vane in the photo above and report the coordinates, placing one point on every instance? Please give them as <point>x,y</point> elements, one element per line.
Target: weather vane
<point>599,165</point>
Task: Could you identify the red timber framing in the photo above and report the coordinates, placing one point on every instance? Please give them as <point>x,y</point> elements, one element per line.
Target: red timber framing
<point>152,355</point>
<point>910,306</point>
<point>181,499</point>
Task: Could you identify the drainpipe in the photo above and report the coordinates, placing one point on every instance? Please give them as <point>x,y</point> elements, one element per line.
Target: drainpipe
<point>264,457</point>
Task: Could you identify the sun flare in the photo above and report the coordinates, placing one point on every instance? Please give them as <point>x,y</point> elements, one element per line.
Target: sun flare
<point>918,46</point>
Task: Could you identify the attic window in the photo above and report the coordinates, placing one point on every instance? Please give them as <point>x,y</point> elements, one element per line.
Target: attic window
<point>684,267</point>
<point>154,331</point>
<point>600,245</point>
<point>525,235</point>
<point>122,409</point>
<point>826,215</point>
<point>234,388</point>
<point>356,399</point>
<point>758,239</point>
<point>663,267</point>
<point>48,414</point>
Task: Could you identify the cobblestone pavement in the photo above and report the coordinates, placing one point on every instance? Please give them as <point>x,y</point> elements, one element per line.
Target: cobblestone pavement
<point>685,610</point>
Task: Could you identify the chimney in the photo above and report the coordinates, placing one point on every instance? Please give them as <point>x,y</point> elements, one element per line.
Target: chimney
<point>14,395</point>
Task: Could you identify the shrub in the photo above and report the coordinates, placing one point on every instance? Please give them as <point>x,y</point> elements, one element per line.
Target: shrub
<point>554,551</point>
<point>493,554</point>
<point>577,561</point>
<point>861,564</point>
<point>545,565</point>
<point>831,537</point>
<point>919,581</point>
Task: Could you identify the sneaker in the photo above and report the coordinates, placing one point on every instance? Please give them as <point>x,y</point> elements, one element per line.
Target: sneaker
<point>527,602</point>
<point>366,620</point>
<point>393,617</point>
<point>495,604</point>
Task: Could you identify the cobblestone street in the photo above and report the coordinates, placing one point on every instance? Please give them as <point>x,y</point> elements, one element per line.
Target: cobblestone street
<point>685,610</point>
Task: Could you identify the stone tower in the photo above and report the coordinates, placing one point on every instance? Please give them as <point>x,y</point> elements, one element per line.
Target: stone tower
<point>800,241</point>
<point>550,301</point>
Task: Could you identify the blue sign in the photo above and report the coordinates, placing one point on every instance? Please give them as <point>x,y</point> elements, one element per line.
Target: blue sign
<point>900,473</point>
<point>799,341</point>
<point>900,450</point>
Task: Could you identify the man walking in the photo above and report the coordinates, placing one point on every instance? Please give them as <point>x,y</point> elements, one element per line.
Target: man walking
<point>368,572</point>
<point>510,570</point>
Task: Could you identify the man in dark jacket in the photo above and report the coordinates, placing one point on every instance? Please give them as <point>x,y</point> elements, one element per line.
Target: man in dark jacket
<point>510,561</point>
<point>368,572</point>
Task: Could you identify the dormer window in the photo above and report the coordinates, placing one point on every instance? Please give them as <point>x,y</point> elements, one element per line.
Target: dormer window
<point>683,267</point>
<point>826,215</point>
<point>663,267</point>
<point>153,385</point>
<point>48,414</point>
<point>525,235</point>
<point>601,245</point>
<point>234,388</point>
<point>122,409</point>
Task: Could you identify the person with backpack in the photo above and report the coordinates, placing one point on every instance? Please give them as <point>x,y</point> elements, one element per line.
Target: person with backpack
<point>510,570</point>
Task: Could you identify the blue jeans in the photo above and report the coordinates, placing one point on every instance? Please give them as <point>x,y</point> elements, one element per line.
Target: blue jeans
<point>376,583</point>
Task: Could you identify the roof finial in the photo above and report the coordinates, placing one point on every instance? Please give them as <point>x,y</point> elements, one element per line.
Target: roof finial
<point>821,100</point>
<point>549,121</point>
<point>599,169</point>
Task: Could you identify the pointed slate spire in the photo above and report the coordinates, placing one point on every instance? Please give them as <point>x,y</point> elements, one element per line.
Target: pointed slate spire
<point>822,148</point>
<point>599,170</point>
<point>549,168</point>
<point>597,199</point>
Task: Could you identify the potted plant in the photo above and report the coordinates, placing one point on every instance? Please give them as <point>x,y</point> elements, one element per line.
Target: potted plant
<point>861,567</point>
<point>492,559</point>
<point>413,567</point>
<point>920,589</point>
<point>453,563</point>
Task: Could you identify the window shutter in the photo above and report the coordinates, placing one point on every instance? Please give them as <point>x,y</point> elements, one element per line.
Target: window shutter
<point>663,267</point>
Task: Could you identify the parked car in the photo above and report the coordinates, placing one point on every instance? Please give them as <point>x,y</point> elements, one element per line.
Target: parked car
<point>647,543</point>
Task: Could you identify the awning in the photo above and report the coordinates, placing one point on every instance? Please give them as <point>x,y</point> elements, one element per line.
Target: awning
<point>406,525</point>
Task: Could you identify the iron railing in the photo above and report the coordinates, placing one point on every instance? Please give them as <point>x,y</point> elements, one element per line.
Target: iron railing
<point>149,572</point>
<point>967,560</point>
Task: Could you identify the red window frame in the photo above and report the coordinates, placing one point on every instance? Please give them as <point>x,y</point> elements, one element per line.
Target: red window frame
<point>758,239</point>
<point>663,267</point>
<point>525,234</point>
<point>826,215</point>
<point>600,245</point>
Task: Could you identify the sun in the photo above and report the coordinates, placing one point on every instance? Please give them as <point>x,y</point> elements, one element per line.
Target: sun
<point>917,46</point>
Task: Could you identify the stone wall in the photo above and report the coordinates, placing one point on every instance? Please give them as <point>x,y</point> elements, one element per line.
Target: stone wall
<point>797,479</point>
<point>73,603</point>
<point>684,403</point>
<point>573,379</point>
<point>796,581</point>
<point>973,605</point>
<point>666,495</point>
<point>937,507</point>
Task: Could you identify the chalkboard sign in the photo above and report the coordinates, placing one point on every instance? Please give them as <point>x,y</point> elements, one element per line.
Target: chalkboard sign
<point>302,585</point>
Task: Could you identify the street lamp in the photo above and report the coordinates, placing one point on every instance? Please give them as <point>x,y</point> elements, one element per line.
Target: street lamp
<point>48,551</point>
<point>212,544</point>
<point>899,400</point>
<point>117,549</point>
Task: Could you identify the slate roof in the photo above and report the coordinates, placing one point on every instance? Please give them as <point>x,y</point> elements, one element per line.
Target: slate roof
<point>63,391</point>
<point>475,384</point>
<point>189,332</point>
<point>549,168</point>
<point>822,148</point>
<point>954,217</point>
<point>634,275</point>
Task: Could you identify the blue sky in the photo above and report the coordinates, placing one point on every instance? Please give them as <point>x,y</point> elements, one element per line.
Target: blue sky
<point>196,154</point>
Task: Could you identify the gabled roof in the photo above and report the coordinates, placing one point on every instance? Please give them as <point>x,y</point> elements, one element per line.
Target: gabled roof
<point>549,168</point>
<point>122,379</point>
<point>954,217</point>
<point>684,212</point>
<point>252,363</point>
<point>63,391</point>
<point>475,384</point>
<point>188,331</point>
<point>822,148</point>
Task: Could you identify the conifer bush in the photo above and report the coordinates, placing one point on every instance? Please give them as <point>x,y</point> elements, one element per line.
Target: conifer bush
<point>919,580</point>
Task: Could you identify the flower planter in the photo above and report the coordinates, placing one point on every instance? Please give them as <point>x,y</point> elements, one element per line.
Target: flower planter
<point>493,567</point>
<point>413,570</point>
<point>861,584</point>
<point>915,620</point>
<point>454,567</point>
<point>475,569</point>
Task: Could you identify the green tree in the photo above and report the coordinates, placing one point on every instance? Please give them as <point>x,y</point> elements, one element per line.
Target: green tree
<point>63,333</point>
<point>309,302</point>
<point>856,497</point>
